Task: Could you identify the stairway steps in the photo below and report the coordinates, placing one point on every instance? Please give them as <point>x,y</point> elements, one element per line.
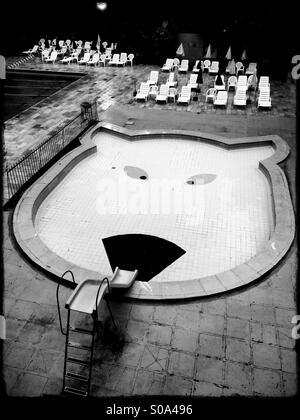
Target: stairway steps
<point>77,361</point>
<point>78,345</point>
<point>81,330</point>
<point>71,390</point>
<point>72,375</point>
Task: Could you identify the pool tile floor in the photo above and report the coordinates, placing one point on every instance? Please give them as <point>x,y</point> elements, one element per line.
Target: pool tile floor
<point>227,223</point>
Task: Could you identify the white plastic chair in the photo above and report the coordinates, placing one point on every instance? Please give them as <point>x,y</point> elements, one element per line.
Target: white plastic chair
<point>87,46</point>
<point>210,94</point>
<point>206,65</point>
<point>232,82</point>
<point>239,67</point>
<point>45,54</point>
<point>172,94</point>
<point>153,91</point>
<point>130,59</point>
<point>251,82</point>
<point>176,62</point>
<point>102,60</point>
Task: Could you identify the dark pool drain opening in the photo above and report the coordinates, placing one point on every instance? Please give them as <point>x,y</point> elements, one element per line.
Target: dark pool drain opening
<point>146,253</point>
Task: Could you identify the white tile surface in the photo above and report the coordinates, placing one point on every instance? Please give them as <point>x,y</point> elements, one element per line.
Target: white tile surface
<point>232,220</point>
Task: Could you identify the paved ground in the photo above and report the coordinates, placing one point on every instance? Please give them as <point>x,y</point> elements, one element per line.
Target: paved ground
<point>237,344</point>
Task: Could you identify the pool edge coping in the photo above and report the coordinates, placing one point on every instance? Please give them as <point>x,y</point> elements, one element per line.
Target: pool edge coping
<point>243,274</point>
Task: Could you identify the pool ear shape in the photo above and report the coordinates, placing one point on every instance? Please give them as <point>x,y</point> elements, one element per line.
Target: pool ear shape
<point>148,254</point>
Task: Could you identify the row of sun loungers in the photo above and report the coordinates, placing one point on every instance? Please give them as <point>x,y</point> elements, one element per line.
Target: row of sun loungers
<point>212,67</point>
<point>218,94</point>
<point>241,85</point>
<point>90,59</point>
<point>87,45</point>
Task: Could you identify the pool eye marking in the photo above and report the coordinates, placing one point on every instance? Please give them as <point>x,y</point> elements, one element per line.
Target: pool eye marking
<point>201,179</point>
<point>136,173</point>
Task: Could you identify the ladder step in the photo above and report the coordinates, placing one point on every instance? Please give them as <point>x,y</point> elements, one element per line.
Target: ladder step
<point>78,361</point>
<point>78,345</point>
<point>77,376</point>
<point>75,391</point>
<point>81,330</point>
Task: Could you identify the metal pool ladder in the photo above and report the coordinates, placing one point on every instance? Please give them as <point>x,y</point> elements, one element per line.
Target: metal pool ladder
<point>86,299</point>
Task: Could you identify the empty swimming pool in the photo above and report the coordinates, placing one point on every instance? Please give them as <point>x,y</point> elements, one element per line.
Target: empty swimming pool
<point>210,206</point>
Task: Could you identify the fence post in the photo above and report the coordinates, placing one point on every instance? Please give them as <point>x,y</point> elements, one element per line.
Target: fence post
<point>85,110</point>
<point>63,137</point>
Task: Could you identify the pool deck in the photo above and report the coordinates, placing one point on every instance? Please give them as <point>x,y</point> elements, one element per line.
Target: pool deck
<point>238,344</point>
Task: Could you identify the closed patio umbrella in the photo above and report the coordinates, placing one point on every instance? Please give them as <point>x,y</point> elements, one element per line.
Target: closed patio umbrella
<point>254,79</point>
<point>208,52</point>
<point>232,67</point>
<point>228,55</point>
<point>180,50</point>
<point>244,55</point>
<point>98,44</point>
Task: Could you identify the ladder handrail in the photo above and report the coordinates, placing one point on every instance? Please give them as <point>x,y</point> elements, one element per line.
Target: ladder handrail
<point>96,309</point>
<point>100,285</point>
<point>57,299</point>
